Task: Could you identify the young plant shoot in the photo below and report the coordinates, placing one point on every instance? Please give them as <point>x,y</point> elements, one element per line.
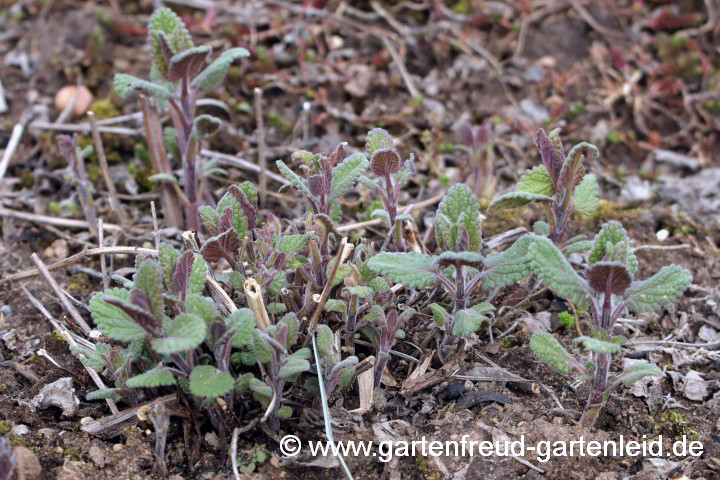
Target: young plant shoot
<point>392,173</point>
<point>560,185</point>
<point>608,290</point>
<point>177,76</point>
<point>460,268</point>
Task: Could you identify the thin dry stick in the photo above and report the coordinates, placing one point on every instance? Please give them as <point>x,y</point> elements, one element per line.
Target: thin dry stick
<point>234,161</point>
<point>401,66</point>
<point>68,337</point>
<point>12,145</point>
<point>102,159</point>
<point>156,230</point>
<point>158,158</point>
<point>378,221</point>
<point>60,222</point>
<point>82,128</point>
<point>79,257</point>
<point>103,268</point>
<point>58,291</point>
<point>325,293</point>
<point>262,161</point>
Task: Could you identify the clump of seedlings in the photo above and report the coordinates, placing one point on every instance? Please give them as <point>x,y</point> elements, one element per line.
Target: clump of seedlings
<point>460,267</point>
<point>177,76</point>
<point>608,290</point>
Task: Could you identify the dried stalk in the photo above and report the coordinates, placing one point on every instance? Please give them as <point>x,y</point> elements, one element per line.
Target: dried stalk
<point>253,293</point>
<point>262,161</point>
<point>61,296</point>
<point>102,159</point>
<point>158,158</point>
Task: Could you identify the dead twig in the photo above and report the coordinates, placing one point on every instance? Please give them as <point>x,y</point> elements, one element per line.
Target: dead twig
<point>58,291</point>
<point>262,161</point>
<point>102,159</point>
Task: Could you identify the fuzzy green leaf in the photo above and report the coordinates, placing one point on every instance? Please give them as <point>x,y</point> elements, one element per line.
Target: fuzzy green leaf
<point>206,126</point>
<point>324,337</point>
<point>504,268</point>
<point>549,351</point>
<point>293,243</point>
<point>167,258</point>
<point>467,321</point>
<point>577,247</point>
<point>361,291</point>
<point>483,308</point>
<point>206,381</point>
<point>345,174</point>
<point>661,289</point>
<point>541,228</point>
<point>186,332</point>
<point>516,199</point>
<point>102,394</point>
<point>239,220</point>
<point>439,314</point>
<point>124,85</point>
<point>263,350</point>
<point>111,320</point>
<point>260,389</point>
<point>166,23</point>
<point>379,285</point>
<point>214,74</point>
<point>242,383</point>
<point>243,322</point>
<point>334,305</point>
<point>294,366</point>
<point>198,272</point>
<point>149,280</point>
<point>556,272</point>
<point>638,371</point>
<point>460,206</point>
<point>586,195</point>
<point>612,244</point>
<point>536,181</point>
<point>377,139</point>
<point>598,346</point>
<point>157,377</point>
<point>411,269</point>
<point>295,180</point>
<point>203,307</point>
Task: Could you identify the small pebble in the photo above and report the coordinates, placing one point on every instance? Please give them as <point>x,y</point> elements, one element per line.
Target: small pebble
<point>20,430</point>
<point>662,235</point>
<point>97,456</point>
<point>118,447</point>
<point>86,420</point>
<point>28,463</point>
<point>454,391</point>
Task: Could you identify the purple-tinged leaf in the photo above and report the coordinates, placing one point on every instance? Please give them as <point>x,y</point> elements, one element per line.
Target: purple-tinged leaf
<point>338,155</point>
<point>225,246</point>
<point>476,137</point>
<point>385,162</point>
<point>246,204</point>
<point>140,315</point>
<point>573,168</point>
<point>225,222</point>
<point>181,276</point>
<point>608,277</point>
<point>551,158</point>
<point>317,185</point>
<point>187,64</point>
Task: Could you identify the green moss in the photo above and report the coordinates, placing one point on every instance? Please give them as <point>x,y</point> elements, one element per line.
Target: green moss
<point>79,284</point>
<point>428,469</point>
<point>505,342</point>
<point>567,319</point>
<point>276,121</point>
<point>5,427</point>
<point>675,425</point>
<point>609,210</point>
